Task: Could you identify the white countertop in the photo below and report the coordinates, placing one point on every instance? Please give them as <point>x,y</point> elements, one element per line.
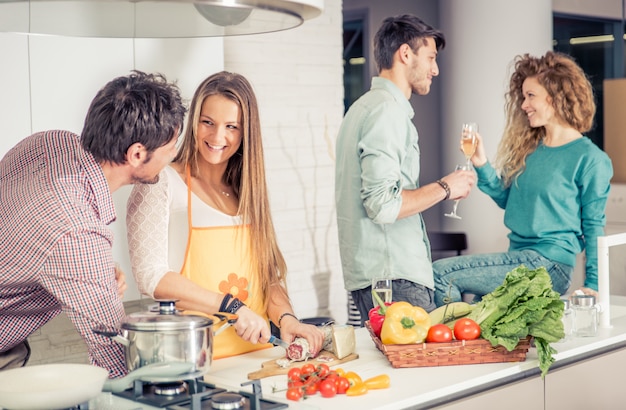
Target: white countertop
<point>410,387</point>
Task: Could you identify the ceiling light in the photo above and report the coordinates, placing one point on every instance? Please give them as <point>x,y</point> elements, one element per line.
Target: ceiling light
<point>154,19</point>
<point>591,39</point>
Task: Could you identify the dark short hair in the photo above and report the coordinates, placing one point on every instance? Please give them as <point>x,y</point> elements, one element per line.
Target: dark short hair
<point>139,107</point>
<point>404,29</point>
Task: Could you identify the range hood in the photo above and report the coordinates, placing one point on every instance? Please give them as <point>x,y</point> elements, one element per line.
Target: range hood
<point>154,19</point>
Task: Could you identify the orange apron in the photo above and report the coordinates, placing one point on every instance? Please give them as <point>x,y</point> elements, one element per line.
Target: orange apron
<point>217,258</point>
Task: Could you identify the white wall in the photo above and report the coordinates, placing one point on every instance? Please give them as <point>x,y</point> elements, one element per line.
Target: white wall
<point>297,75</point>
<point>66,73</point>
<point>298,78</point>
<point>482,40</point>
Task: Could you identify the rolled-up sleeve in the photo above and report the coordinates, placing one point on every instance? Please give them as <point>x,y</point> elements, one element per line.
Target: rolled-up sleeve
<point>382,150</point>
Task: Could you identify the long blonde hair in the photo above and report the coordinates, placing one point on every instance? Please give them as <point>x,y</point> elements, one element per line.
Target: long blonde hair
<point>245,173</point>
<point>570,93</point>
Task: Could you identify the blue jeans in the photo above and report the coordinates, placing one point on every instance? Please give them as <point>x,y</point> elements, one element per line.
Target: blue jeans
<point>481,274</point>
<point>402,289</point>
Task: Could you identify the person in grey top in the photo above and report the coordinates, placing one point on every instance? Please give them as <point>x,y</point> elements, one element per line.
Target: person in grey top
<point>377,191</point>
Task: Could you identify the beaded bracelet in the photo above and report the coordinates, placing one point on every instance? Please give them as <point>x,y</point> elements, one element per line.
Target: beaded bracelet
<point>445,187</point>
<point>286,314</point>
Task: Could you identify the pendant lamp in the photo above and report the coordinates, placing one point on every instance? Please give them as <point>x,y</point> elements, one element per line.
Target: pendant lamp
<point>155,18</point>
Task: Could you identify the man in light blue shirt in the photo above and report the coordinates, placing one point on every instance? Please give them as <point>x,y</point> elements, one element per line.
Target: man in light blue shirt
<point>378,197</point>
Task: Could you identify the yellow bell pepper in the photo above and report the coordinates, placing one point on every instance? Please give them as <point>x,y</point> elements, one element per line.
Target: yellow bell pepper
<point>353,378</point>
<point>382,381</point>
<point>357,389</point>
<point>404,324</point>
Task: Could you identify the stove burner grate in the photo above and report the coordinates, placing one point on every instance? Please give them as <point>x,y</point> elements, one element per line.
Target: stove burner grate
<point>199,395</point>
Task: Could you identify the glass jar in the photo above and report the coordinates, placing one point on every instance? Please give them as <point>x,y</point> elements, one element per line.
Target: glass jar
<point>568,320</point>
<point>585,315</point>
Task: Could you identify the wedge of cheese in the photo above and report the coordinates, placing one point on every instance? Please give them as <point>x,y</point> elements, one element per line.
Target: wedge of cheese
<point>343,340</point>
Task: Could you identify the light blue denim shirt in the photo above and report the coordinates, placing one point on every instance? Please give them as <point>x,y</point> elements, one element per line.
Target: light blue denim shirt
<point>377,157</point>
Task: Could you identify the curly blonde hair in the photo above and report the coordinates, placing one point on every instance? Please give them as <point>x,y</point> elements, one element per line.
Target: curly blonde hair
<point>570,93</point>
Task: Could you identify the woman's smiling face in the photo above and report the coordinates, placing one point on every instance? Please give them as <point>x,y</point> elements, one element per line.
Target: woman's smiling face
<point>219,130</point>
<point>537,103</point>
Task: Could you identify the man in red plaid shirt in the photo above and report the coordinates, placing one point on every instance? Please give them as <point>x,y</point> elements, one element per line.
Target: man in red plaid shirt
<point>55,208</point>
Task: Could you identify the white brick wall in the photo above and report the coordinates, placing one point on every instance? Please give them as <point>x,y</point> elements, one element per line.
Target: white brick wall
<point>298,78</point>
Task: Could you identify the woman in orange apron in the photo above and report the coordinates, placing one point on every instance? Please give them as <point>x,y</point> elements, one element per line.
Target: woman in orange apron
<point>203,234</point>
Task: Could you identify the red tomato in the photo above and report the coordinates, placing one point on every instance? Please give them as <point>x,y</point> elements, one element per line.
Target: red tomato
<point>466,329</point>
<point>294,394</point>
<point>295,383</point>
<point>327,388</point>
<point>439,333</point>
<point>310,389</point>
<point>294,374</point>
<point>342,384</point>
<point>307,370</point>
<point>322,370</point>
<point>311,385</point>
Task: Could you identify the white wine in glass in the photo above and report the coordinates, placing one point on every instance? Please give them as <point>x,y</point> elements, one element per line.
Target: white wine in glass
<point>468,141</point>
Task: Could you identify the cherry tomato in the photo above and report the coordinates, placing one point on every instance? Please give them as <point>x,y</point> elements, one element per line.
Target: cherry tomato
<point>294,374</point>
<point>322,370</point>
<point>342,384</point>
<point>311,385</point>
<point>294,394</point>
<point>327,388</point>
<point>466,329</point>
<point>439,333</point>
<point>295,383</point>
<point>307,370</point>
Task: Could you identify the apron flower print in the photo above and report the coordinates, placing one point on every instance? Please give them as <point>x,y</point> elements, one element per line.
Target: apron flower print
<point>236,286</point>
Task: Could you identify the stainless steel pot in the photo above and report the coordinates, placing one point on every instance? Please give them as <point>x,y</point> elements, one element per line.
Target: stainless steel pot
<point>165,336</point>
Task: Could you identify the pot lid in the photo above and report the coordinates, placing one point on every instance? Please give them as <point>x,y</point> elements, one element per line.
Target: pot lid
<point>165,318</point>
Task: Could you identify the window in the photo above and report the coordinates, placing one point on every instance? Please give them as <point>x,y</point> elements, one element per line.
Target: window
<point>592,43</point>
<point>355,51</point>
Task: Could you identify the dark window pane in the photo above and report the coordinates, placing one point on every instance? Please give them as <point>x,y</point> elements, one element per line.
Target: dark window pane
<point>592,44</point>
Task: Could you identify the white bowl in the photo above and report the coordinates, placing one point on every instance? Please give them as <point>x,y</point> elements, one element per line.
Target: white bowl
<point>50,386</point>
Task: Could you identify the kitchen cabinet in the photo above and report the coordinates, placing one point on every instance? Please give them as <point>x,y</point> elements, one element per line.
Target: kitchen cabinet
<point>587,384</point>
<point>523,395</point>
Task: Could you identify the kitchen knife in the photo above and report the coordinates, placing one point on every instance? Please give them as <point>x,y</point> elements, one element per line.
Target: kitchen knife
<point>278,342</point>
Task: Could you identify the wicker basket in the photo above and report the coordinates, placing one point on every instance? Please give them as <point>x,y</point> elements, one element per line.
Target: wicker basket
<point>451,353</point>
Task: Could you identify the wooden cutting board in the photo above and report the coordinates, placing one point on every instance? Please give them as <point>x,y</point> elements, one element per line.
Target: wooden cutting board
<point>271,368</point>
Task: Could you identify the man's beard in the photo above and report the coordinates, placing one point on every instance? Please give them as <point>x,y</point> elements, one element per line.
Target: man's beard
<point>153,180</point>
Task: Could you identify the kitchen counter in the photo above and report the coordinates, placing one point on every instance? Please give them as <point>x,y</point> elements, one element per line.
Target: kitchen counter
<point>419,387</point>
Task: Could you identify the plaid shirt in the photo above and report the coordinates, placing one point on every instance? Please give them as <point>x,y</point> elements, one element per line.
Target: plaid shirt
<point>56,248</point>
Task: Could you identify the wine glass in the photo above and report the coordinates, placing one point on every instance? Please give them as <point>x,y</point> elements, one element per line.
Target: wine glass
<point>453,214</point>
<point>468,141</point>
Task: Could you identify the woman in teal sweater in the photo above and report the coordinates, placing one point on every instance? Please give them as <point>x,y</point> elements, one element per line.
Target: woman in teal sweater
<point>552,183</point>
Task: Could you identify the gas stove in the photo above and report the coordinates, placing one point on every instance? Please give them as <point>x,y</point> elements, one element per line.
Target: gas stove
<point>193,394</point>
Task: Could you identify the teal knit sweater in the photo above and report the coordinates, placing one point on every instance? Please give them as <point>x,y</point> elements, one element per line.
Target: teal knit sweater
<point>556,206</point>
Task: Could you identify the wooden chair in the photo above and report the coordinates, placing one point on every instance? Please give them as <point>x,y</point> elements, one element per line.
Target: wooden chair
<point>443,243</point>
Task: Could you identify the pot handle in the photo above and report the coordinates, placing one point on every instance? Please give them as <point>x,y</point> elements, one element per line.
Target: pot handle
<point>111,334</point>
<point>229,319</point>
